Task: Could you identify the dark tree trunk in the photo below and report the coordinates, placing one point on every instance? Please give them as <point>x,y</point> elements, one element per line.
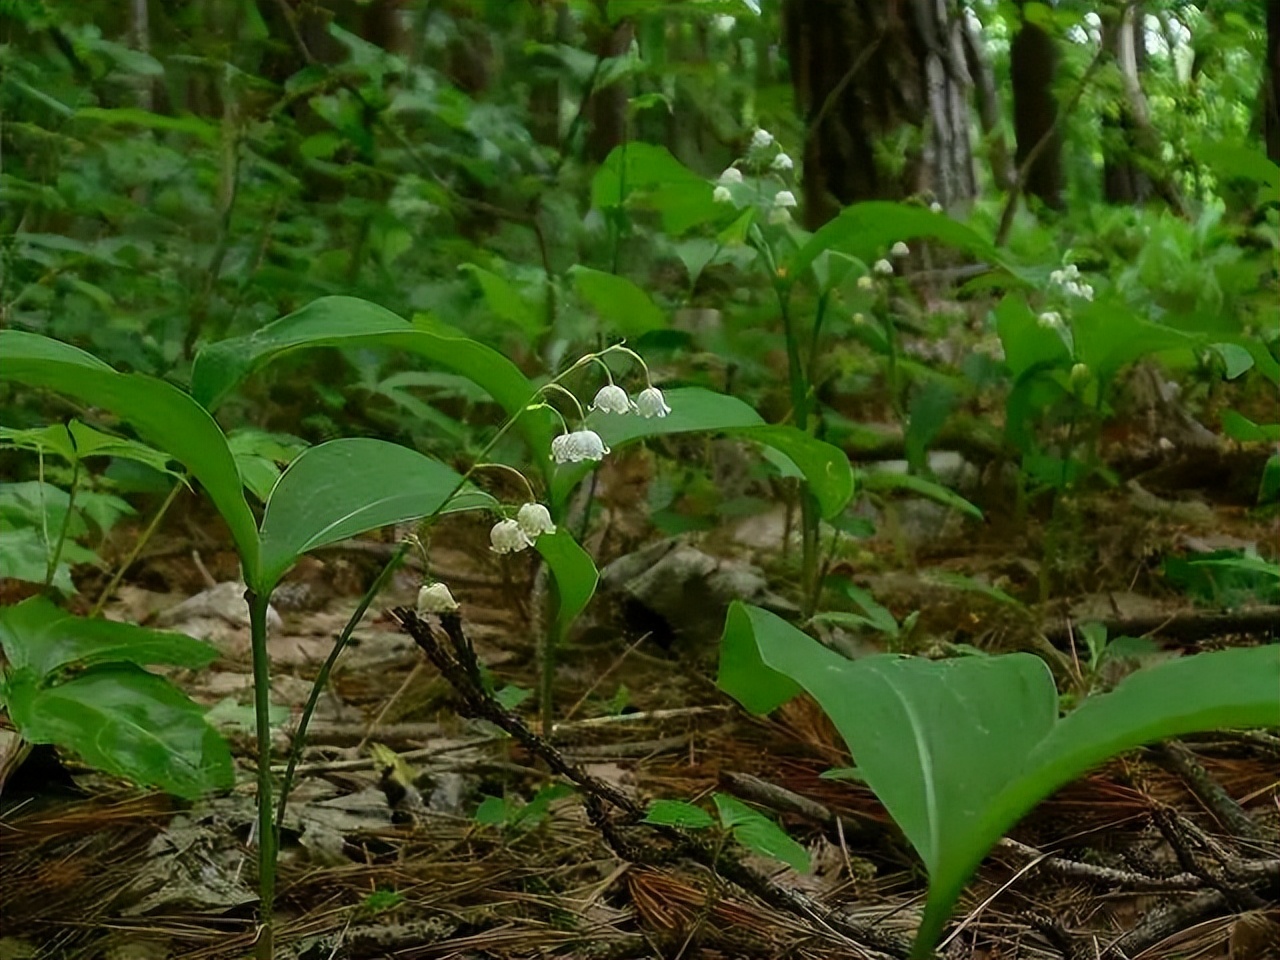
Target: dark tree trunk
<point>866,72</point>
<point>1033,63</point>
<point>1271,83</point>
<point>607,106</point>
<point>1123,181</point>
<point>987,99</point>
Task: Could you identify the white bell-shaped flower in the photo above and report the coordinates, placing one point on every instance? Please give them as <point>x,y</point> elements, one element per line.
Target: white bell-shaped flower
<point>935,207</point>
<point>784,199</point>
<point>612,399</point>
<point>507,537</point>
<point>721,194</point>
<point>782,163</point>
<point>534,520</point>
<point>899,249</point>
<point>883,267</point>
<point>578,446</point>
<point>651,403</point>
<point>435,598</point>
<point>1050,320</point>
<point>761,140</point>
<point>730,176</point>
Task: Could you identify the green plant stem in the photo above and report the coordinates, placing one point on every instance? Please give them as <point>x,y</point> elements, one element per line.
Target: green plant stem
<point>56,554</point>
<point>258,604</point>
<point>322,679</point>
<point>141,542</point>
<point>800,414</point>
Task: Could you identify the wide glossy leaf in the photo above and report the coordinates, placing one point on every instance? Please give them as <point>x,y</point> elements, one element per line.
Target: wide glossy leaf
<point>620,304</point>
<point>77,441</point>
<point>346,487</point>
<point>161,413</point>
<point>506,302</point>
<point>695,410</point>
<point>647,175</point>
<point>868,230</point>
<point>125,721</point>
<point>351,322</point>
<point>574,572</point>
<point>39,636</point>
<point>1109,336</point>
<point>824,467</point>
<point>959,750</point>
<point>1027,344</point>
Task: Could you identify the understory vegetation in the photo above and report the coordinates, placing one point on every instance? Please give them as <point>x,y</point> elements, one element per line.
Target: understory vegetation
<point>629,478</point>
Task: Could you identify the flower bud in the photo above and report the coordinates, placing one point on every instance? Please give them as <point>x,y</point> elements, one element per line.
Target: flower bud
<point>436,598</point>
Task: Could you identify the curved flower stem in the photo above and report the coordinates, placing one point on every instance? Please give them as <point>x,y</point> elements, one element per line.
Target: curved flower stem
<point>322,678</point>
<point>555,385</point>
<point>528,487</point>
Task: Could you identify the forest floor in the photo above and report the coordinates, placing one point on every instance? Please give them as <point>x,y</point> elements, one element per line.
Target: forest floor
<point>1146,857</point>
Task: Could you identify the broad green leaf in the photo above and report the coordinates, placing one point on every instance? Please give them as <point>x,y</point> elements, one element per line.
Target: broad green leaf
<point>678,813</point>
<point>1235,358</point>
<point>77,441</point>
<point>824,467</point>
<point>1239,427</point>
<point>258,455</point>
<point>695,410</point>
<point>1108,337</point>
<point>351,322</point>
<point>506,302</point>
<point>759,834</point>
<point>345,487</point>
<point>127,722</point>
<point>1026,344</point>
<point>621,305</point>
<point>959,750</point>
<point>646,175</point>
<point>161,413</point>
<point>575,575</point>
<point>883,481</point>
<point>39,636</point>
<point>868,230</point>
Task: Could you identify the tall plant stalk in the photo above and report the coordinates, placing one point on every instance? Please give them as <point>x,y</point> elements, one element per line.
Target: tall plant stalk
<point>267,848</point>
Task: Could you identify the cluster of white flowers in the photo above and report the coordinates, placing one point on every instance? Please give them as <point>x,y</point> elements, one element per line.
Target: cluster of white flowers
<point>1068,278</point>
<point>760,157</point>
<point>511,536</point>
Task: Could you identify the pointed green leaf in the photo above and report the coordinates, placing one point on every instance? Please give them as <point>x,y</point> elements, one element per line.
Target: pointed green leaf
<point>506,302</point>
<point>622,306</point>
<point>39,636</point>
<point>574,572</point>
<point>351,322</point>
<point>759,834</point>
<point>678,813</point>
<point>345,487</point>
<point>959,750</point>
<point>161,413</point>
<point>125,721</point>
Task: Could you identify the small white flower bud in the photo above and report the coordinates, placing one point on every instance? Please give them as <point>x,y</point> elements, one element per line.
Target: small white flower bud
<point>1080,374</point>
<point>507,537</point>
<point>782,163</point>
<point>779,216</point>
<point>534,520</point>
<point>859,319</point>
<point>731,175</point>
<point>935,207</point>
<point>724,23</point>
<point>435,598</point>
<point>784,199</point>
<point>1050,320</point>
<point>761,140</point>
<point>883,267</point>
<point>651,403</point>
<point>612,399</point>
<point>899,249</point>
<point>865,282</point>
<point>721,194</point>
<point>578,446</point>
